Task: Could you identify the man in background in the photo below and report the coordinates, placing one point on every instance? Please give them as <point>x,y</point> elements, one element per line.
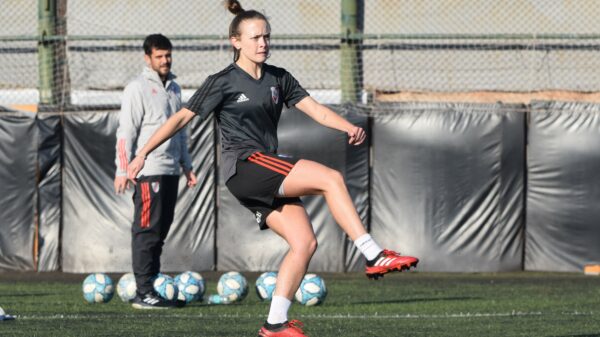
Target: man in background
<point>148,101</point>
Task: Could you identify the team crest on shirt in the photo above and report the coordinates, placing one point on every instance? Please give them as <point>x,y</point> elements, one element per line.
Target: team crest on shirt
<point>155,186</point>
<point>275,94</point>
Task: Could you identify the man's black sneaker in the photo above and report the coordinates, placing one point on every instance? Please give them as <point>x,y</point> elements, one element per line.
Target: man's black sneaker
<point>151,300</point>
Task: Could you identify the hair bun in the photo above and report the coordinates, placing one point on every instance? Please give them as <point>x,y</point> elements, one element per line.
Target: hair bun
<point>234,7</point>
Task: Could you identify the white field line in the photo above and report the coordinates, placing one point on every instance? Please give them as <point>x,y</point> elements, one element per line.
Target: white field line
<point>317,316</point>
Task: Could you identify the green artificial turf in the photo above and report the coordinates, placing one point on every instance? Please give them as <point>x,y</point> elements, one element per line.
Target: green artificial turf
<point>408,304</point>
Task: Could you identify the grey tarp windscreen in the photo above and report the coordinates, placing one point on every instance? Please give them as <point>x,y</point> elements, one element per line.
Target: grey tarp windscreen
<point>240,243</point>
<point>357,176</point>
<point>49,191</point>
<point>191,241</point>
<point>447,184</point>
<point>18,155</point>
<point>97,223</point>
<point>563,186</point>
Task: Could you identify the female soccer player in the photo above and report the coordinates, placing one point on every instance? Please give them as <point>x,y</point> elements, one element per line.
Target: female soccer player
<point>247,98</point>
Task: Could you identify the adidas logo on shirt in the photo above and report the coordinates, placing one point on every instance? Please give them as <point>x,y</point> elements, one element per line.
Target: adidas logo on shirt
<point>242,98</point>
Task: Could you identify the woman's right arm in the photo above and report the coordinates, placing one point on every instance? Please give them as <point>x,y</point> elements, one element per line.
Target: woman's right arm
<point>166,131</point>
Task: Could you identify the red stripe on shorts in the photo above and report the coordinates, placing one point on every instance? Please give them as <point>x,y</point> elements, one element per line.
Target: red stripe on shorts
<point>276,160</point>
<point>273,166</point>
<point>270,161</point>
<point>145,218</point>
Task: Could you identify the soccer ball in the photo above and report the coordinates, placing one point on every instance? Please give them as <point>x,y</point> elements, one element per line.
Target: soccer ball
<point>98,288</point>
<point>265,285</point>
<point>191,286</point>
<point>126,287</point>
<point>312,290</point>
<point>165,286</point>
<point>233,285</point>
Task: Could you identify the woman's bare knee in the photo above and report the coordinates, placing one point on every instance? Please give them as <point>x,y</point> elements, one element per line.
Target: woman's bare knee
<point>335,179</point>
<point>304,249</point>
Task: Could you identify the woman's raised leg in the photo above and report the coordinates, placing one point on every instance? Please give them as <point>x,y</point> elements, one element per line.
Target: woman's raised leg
<point>309,178</point>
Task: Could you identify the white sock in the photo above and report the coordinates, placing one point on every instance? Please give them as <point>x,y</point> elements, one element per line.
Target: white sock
<point>279,309</point>
<point>367,246</point>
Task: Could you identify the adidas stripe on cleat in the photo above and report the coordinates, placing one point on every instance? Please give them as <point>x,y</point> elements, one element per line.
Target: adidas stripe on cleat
<point>152,300</point>
<point>388,261</point>
<point>285,329</point>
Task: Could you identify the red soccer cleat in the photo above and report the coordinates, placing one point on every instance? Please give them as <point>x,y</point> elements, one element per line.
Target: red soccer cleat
<point>388,261</point>
<point>291,329</point>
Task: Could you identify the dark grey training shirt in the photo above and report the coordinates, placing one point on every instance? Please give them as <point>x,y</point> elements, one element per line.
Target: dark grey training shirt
<point>246,109</point>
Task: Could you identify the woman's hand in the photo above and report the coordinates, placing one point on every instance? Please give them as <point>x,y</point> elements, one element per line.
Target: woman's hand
<point>134,167</point>
<point>356,135</point>
<point>329,118</point>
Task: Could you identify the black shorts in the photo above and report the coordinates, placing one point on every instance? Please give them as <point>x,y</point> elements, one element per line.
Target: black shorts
<point>256,182</point>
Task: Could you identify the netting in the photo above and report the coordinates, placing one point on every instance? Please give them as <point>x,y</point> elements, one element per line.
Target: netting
<point>433,47</point>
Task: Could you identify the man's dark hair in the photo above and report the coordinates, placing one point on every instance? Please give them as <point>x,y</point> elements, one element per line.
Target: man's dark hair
<point>156,41</point>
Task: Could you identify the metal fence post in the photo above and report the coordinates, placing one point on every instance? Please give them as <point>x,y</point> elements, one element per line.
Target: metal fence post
<point>350,53</point>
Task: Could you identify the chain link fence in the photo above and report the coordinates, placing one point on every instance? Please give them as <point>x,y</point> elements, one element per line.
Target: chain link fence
<point>434,47</point>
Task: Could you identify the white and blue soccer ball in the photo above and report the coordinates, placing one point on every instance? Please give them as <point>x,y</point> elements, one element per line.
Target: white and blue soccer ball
<point>233,286</point>
<point>312,290</point>
<point>165,286</point>
<point>126,287</point>
<point>265,285</point>
<point>98,288</point>
<point>191,286</point>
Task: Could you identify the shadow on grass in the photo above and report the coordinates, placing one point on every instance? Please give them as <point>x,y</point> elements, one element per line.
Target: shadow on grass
<point>414,300</point>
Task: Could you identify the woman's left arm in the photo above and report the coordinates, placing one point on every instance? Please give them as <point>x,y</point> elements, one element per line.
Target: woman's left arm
<point>327,117</point>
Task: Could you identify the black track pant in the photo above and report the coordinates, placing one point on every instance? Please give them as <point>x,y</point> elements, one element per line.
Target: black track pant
<point>154,201</point>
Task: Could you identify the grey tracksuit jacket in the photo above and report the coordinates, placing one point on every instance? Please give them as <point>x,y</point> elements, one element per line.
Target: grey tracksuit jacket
<point>146,105</point>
